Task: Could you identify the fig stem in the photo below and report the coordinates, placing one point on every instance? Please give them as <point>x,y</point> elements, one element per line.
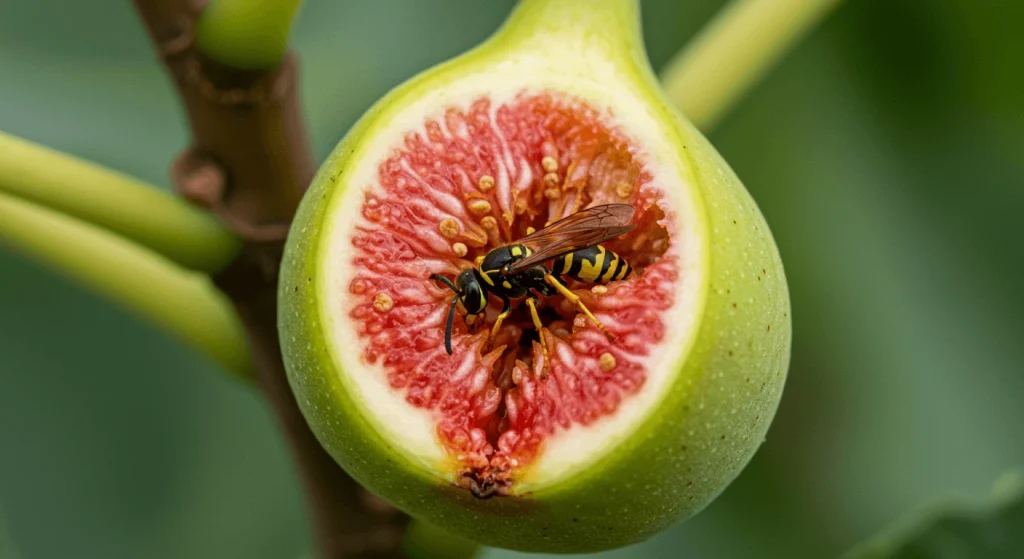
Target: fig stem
<point>246,34</point>
<point>605,28</point>
<point>184,303</point>
<point>156,219</point>
<point>735,50</point>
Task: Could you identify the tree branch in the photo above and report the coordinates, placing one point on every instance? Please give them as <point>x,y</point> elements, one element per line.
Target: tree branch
<point>247,130</point>
<point>135,210</point>
<point>734,51</point>
<point>246,124</point>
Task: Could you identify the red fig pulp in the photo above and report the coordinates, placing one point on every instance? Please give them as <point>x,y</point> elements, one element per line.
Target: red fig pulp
<point>477,178</point>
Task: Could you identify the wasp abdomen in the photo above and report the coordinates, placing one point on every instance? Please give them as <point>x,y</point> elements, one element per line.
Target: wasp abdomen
<point>592,265</point>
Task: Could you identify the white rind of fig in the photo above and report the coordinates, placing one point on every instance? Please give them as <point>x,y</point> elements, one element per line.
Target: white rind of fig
<point>712,384</point>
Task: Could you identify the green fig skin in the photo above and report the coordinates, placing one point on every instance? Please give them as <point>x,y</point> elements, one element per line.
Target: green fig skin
<point>696,439</point>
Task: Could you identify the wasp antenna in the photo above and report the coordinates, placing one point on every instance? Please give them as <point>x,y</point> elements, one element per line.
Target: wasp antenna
<point>448,325</point>
<point>444,280</point>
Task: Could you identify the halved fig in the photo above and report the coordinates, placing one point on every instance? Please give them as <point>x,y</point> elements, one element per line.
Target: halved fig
<point>607,441</point>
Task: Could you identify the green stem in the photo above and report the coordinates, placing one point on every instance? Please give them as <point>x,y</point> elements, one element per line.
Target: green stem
<point>600,27</point>
<point>184,303</point>
<point>734,51</point>
<point>246,34</point>
<point>156,219</point>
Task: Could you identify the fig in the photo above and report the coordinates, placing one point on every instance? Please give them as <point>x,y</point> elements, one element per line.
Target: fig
<point>611,438</point>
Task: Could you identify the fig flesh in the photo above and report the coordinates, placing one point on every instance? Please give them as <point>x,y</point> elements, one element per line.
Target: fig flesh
<point>606,442</point>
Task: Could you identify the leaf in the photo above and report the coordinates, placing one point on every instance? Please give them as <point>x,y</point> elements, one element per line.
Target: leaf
<point>954,531</point>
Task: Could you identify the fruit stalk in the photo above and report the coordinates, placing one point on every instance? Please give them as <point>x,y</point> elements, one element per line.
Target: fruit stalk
<point>246,125</point>
<point>615,20</point>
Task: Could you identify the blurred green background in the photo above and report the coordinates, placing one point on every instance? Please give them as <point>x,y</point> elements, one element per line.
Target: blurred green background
<point>887,153</point>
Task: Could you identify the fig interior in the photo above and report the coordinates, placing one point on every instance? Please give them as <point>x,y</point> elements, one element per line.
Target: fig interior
<point>468,181</point>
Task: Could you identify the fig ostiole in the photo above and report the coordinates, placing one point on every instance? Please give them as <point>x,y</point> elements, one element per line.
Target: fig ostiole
<point>611,438</point>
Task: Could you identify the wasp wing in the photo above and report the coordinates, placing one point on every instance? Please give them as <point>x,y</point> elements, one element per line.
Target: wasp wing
<point>580,230</point>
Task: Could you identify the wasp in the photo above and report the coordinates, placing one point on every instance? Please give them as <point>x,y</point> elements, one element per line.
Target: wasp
<point>518,270</point>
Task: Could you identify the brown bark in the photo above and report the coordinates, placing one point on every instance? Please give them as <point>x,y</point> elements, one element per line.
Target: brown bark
<point>250,162</point>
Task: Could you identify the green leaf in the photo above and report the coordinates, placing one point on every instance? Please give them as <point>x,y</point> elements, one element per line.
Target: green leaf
<point>954,531</point>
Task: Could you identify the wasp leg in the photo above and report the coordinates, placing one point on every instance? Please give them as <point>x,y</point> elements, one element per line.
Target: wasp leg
<point>575,300</point>
<point>532,304</point>
<point>506,308</point>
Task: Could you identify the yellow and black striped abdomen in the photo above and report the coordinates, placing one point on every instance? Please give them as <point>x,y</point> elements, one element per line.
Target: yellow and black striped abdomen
<point>592,265</point>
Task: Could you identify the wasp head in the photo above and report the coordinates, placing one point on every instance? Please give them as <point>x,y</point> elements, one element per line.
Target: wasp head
<point>470,297</point>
